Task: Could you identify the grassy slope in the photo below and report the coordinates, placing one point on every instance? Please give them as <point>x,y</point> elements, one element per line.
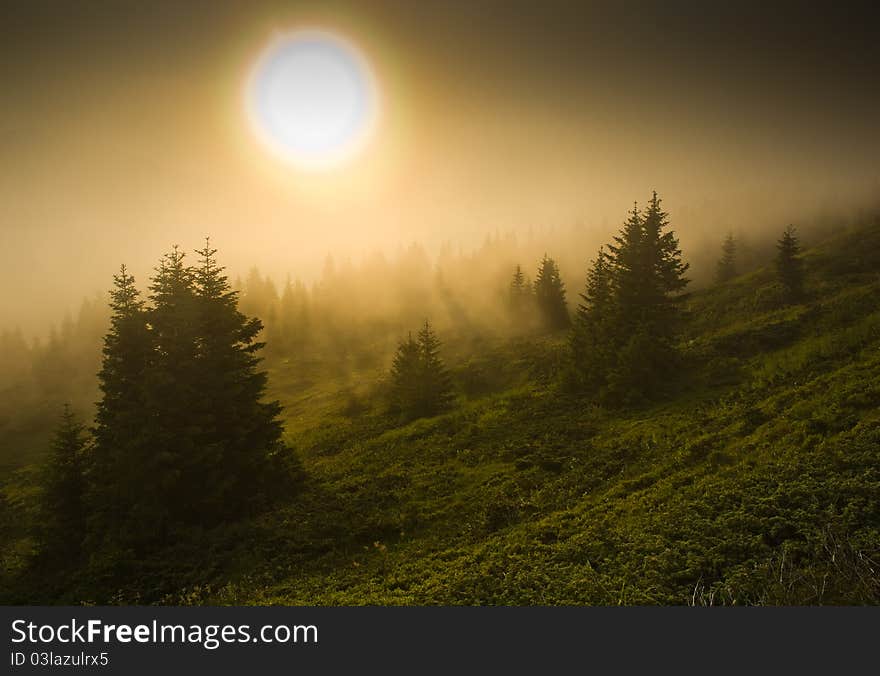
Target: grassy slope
<point>758,482</point>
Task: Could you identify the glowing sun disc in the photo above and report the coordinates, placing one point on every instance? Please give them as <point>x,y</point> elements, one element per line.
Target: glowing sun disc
<point>311,98</point>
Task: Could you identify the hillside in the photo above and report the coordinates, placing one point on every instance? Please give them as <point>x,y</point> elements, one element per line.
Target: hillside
<point>757,482</point>
<point>755,479</point>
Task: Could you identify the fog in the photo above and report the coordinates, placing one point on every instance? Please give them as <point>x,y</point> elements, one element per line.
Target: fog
<point>123,132</point>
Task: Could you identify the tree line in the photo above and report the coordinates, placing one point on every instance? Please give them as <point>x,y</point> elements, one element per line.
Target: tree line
<point>184,436</point>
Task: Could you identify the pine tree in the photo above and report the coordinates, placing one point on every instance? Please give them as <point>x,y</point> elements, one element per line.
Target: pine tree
<point>122,490</point>
<point>420,383</point>
<point>628,277</point>
<point>63,512</point>
<point>789,265</point>
<point>519,295</point>
<point>726,267</point>
<point>240,432</point>
<point>172,390</point>
<point>625,331</point>
<point>183,434</point>
<point>550,295</point>
<point>590,337</point>
<point>664,270</point>
<point>436,383</point>
<point>517,288</point>
<point>405,373</point>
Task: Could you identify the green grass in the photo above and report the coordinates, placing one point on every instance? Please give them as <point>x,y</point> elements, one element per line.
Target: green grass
<point>755,481</point>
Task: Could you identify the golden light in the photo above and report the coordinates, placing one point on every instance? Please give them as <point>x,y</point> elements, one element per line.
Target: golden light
<point>312,99</point>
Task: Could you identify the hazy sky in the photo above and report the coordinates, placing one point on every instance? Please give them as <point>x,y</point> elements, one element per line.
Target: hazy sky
<point>122,128</point>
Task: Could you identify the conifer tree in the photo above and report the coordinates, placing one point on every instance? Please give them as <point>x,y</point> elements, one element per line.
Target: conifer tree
<point>436,383</point>
<point>550,295</point>
<point>122,487</point>
<point>420,383</point>
<point>789,265</point>
<point>664,272</point>
<point>725,269</point>
<point>519,294</point>
<point>517,286</point>
<point>590,336</point>
<point>628,272</point>
<point>405,373</point>
<point>172,390</point>
<point>183,434</point>
<point>240,432</point>
<point>63,513</point>
<point>624,337</point>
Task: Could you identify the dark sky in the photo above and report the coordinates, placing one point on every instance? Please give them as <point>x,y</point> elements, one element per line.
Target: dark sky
<point>121,127</point>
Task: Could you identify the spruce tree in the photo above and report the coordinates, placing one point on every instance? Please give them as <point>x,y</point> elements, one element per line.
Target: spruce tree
<point>643,276</point>
<point>665,273</point>
<point>405,373</point>
<point>789,265</point>
<point>628,276</point>
<point>550,295</point>
<point>63,510</point>
<point>173,391</point>
<point>240,433</point>
<point>420,383</point>
<point>436,383</point>
<point>590,336</point>
<point>123,492</point>
<point>183,434</point>
<point>517,286</point>
<point>519,295</point>
<point>725,269</point>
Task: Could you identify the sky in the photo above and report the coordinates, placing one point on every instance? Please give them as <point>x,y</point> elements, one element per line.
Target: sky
<point>123,129</point>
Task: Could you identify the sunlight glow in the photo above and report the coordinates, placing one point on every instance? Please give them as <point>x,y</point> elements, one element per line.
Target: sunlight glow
<point>311,98</point>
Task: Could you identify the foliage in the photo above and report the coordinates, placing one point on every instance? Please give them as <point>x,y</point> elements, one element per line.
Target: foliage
<point>789,265</point>
<point>623,342</point>
<point>726,269</point>
<point>420,383</point>
<point>549,293</point>
<point>755,482</point>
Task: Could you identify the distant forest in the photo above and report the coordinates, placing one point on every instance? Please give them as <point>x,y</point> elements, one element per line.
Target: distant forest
<point>350,319</point>
<point>173,427</point>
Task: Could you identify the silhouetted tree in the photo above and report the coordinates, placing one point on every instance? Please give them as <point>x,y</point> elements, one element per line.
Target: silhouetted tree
<point>405,371</point>
<point>123,484</point>
<point>725,270</point>
<point>240,433</point>
<point>591,339</point>
<point>420,383</point>
<point>519,295</point>
<point>63,513</point>
<point>624,337</point>
<point>789,265</point>
<point>183,433</point>
<point>550,295</point>
<point>436,383</point>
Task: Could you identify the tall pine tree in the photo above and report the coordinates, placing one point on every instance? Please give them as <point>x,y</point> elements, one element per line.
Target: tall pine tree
<point>436,383</point>
<point>183,434</point>
<point>123,487</point>
<point>789,265</point>
<point>725,270</point>
<point>519,298</point>
<point>63,510</point>
<point>590,336</point>
<point>624,336</point>
<point>240,430</point>
<point>420,383</point>
<point>550,295</point>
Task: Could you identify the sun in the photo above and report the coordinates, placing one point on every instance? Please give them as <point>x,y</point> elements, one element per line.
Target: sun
<point>312,99</point>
